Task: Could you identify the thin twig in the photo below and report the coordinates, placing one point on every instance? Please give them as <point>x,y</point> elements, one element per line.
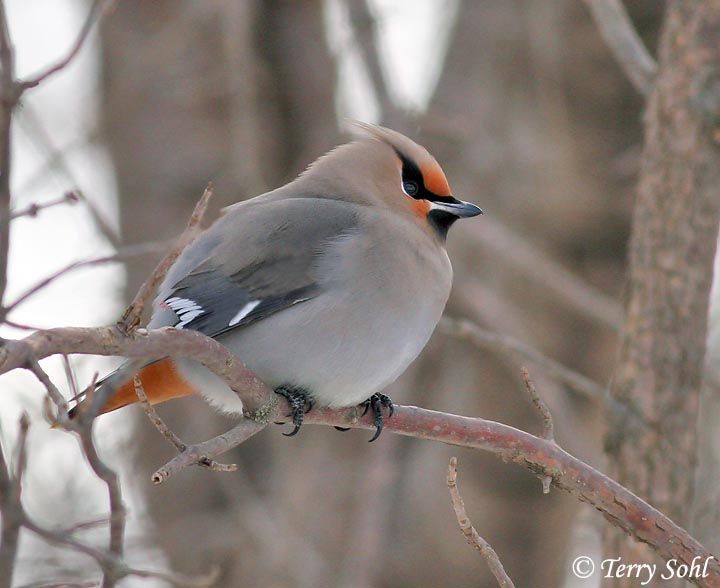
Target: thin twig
<point>548,426</point>
<point>90,584</point>
<point>109,562</point>
<point>86,525</point>
<point>131,318</point>
<point>97,8</point>
<point>55,395</point>
<point>168,433</point>
<point>472,536</point>
<point>154,417</point>
<point>70,376</point>
<point>514,249</point>
<point>469,331</point>
<point>106,230</point>
<point>547,419</point>
<point>121,255</point>
<point>34,209</point>
<point>117,507</point>
<point>620,35</point>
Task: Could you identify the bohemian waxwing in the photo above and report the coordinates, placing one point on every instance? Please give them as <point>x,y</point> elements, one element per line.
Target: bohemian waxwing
<point>327,288</point>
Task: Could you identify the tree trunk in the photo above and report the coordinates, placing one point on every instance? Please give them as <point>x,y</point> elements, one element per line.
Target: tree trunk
<point>534,121</point>
<point>675,228</point>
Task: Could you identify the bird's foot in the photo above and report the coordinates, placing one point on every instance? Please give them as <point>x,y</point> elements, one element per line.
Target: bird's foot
<point>377,402</point>
<point>300,404</point>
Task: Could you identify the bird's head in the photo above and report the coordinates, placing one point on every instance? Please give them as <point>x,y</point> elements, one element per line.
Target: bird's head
<point>385,168</point>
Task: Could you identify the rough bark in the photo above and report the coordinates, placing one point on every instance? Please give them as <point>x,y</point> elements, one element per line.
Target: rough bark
<point>534,121</point>
<point>671,257</point>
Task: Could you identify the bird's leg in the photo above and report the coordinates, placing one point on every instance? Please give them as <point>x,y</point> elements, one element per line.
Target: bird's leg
<point>298,399</point>
<point>377,402</point>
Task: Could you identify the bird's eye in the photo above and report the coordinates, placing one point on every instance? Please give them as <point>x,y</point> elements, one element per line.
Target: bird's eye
<point>410,187</point>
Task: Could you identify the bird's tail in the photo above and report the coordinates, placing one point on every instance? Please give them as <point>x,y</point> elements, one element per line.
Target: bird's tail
<point>161,381</point>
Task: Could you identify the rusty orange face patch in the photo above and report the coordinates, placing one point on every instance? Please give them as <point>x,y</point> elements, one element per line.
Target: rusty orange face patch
<point>421,208</point>
<point>434,179</point>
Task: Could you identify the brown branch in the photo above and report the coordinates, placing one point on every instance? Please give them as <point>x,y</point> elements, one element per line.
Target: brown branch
<point>107,561</point>
<point>54,394</point>
<point>9,97</point>
<point>548,426</point>
<point>154,417</point>
<point>153,344</point>
<point>117,507</point>
<point>97,8</point>
<point>472,536</point>
<point>107,475</point>
<point>168,433</point>
<point>620,506</point>
<point>11,505</point>
<point>620,35</point>
<point>10,92</point>
<point>131,318</point>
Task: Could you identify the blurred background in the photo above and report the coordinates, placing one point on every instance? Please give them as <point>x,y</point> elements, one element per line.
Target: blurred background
<point>531,118</point>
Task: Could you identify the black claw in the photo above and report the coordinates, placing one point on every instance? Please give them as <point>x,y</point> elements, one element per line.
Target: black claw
<point>343,429</point>
<point>297,398</point>
<point>377,402</point>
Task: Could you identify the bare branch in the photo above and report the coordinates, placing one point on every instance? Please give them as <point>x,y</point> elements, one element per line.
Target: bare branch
<point>34,209</point>
<point>96,10</point>
<point>122,254</point>
<point>8,100</point>
<point>621,507</point>
<point>205,451</point>
<point>131,318</point>
<point>514,249</point>
<point>90,584</point>
<point>55,395</point>
<point>618,32</point>
<point>486,339</point>
<point>548,427</point>
<point>106,230</point>
<point>11,505</point>
<point>472,536</point>
<point>107,561</point>
<point>154,417</point>
<point>167,432</point>
<point>117,507</point>
<point>70,376</point>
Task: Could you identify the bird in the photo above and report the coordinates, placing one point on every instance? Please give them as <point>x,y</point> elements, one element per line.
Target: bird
<point>327,288</point>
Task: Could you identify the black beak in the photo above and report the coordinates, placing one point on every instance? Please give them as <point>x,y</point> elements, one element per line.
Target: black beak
<point>457,208</point>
